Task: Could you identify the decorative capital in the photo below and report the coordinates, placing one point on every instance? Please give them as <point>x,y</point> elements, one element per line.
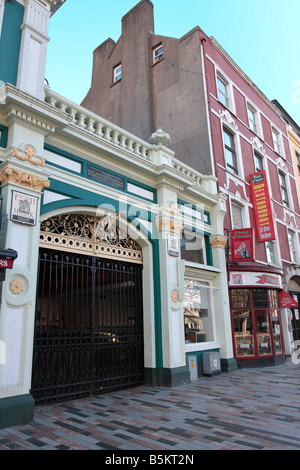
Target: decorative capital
<point>11,175</point>
<point>169,225</point>
<point>218,242</point>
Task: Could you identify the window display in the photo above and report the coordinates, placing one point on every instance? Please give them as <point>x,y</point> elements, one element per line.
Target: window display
<point>197,315</point>
<point>256,322</point>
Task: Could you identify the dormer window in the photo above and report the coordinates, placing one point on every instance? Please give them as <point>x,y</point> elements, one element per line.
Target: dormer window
<point>117,73</point>
<point>157,54</point>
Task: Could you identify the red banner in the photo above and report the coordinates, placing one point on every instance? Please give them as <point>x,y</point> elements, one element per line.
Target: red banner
<point>262,208</point>
<point>242,245</point>
<point>287,301</point>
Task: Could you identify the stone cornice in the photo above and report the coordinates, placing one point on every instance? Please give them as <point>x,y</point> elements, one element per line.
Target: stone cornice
<point>242,74</point>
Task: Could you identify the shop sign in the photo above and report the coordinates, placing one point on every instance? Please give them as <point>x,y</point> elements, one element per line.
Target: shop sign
<point>255,279</point>
<point>24,208</point>
<point>242,245</point>
<point>262,208</point>
<point>287,301</point>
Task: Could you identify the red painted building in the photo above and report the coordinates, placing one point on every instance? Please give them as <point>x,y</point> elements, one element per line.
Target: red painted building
<point>220,123</point>
<point>250,140</point>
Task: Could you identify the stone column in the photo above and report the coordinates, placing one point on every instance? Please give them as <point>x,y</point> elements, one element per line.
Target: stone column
<point>169,225</point>
<point>23,178</point>
<point>218,244</point>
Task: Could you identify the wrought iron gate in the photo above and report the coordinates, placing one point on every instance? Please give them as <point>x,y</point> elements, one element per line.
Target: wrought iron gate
<point>89,326</point>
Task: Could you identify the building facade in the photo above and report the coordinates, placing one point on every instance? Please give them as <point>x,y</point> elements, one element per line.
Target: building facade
<point>221,124</point>
<point>294,139</point>
<point>120,277</point>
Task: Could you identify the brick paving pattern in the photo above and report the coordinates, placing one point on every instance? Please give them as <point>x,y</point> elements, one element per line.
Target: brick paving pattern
<point>250,409</point>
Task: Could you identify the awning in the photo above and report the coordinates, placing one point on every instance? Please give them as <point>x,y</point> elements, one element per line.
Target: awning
<point>287,301</point>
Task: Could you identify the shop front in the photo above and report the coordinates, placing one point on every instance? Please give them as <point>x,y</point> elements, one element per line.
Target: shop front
<point>256,317</point>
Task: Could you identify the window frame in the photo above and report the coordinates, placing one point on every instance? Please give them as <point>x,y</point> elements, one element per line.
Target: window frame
<point>233,150</point>
<point>158,57</point>
<point>235,204</point>
<point>276,141</point>
<point>292,249</point>
<point>226,95</point>
<point>297,154</point>
<point>254,120</point>
<point>272,251</point>
<point>251,337</point>
<point>284,189</point>
<point>117,77</point>
<point>257,155</point>
<point>206,285</point>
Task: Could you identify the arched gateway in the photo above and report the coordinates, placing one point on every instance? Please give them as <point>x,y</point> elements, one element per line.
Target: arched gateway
<point>89,309</point>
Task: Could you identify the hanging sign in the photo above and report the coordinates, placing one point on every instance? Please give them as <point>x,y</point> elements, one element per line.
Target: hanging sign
<point>242,245</point>
<point>262,208</point>
<point>287,301</point>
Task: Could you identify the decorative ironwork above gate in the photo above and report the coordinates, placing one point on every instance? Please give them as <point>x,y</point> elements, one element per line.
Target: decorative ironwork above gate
<point>85,234</point>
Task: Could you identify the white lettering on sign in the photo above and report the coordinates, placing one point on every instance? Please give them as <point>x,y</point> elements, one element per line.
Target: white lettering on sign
<point>3,263</point>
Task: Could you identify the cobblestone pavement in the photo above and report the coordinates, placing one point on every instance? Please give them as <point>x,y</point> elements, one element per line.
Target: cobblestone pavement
<point>250,409</point>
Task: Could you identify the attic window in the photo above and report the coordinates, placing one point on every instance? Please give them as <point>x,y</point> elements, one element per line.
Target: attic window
<point>117,73</point>
<point>157,54</point>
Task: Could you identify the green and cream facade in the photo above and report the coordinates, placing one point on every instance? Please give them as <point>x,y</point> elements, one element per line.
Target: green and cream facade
<point>76,186</point>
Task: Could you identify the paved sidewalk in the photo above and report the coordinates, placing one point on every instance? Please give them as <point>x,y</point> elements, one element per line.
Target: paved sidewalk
<point>250,409</point>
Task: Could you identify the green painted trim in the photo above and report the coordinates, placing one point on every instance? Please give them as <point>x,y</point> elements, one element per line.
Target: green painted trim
<point>3,136</point>
<point>163,377</point>
<point>202,212</point>
<point>209,255</point>
<point>85,163</point>
<point>15,411</point>
<point>11,41</point>
<point>229,365</point>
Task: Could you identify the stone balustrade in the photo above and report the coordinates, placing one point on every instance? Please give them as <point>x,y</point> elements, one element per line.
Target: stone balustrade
<point>109,132</point>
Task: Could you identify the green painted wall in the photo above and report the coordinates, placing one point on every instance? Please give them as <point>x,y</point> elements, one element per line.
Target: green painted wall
<point>10,41</point>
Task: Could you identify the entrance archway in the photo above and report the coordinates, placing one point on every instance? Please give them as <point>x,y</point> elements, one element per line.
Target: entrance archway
<point>89,309</point>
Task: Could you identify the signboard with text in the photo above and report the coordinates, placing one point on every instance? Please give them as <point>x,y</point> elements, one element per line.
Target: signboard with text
<point>264,222</point>
<point>242,245</point>
<point>287,301</point>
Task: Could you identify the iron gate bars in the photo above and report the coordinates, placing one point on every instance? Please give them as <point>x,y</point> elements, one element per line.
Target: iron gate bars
<point>88,327</point>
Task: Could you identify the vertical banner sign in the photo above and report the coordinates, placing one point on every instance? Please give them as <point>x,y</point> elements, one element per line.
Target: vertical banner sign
<point>262,208</point>
<point>242,245</point>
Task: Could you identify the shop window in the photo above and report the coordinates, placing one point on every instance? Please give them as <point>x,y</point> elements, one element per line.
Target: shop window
<point>240,298</point>
<point>243,332</point>
<point>256,322</point>
<point>193,247</point>
<point>276,331</point>
<point>197,312</point>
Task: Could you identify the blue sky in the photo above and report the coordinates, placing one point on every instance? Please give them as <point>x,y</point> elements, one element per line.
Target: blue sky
<point>262,37</point>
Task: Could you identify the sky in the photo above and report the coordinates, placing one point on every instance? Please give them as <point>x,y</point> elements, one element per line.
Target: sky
<point>261,36</point>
